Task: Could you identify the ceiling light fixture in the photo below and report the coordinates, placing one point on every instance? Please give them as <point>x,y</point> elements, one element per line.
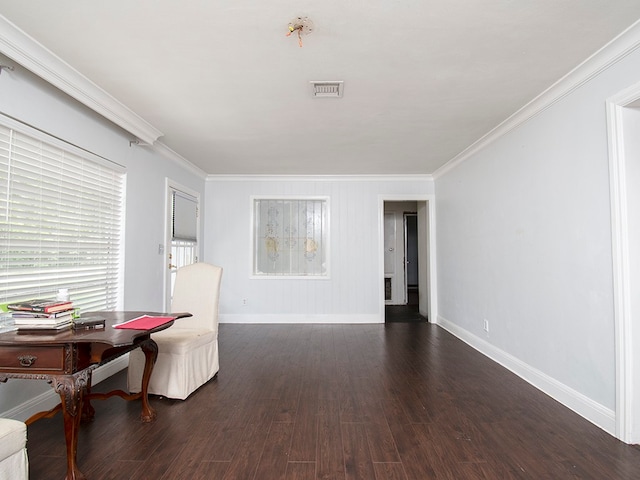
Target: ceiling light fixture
<point>302,25</point>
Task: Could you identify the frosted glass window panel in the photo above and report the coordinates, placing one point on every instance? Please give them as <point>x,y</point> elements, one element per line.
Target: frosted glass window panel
<point>290,237</point>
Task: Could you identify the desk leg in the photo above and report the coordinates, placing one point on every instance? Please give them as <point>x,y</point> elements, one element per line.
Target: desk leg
<point>71,389</point>
<point>88,412</point>
<point>150,349</point>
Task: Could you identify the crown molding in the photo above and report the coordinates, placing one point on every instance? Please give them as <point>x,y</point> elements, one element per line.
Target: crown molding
<point>166,152</point>
<point>614,51</point>
<point>25,50</point>
<point>320,178</point>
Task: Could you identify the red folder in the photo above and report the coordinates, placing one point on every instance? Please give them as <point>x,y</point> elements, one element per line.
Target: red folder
<point>144,322</point>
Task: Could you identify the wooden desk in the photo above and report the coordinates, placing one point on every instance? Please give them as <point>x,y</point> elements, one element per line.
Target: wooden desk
<point>67,359</point>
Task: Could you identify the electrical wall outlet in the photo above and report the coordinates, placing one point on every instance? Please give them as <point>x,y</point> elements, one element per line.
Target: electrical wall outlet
<point>486,325</point>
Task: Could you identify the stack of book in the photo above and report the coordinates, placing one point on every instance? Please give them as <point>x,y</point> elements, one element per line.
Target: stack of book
<point>42,314</point>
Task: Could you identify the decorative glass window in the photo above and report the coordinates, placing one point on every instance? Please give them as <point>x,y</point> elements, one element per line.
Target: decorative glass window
<point>290,237</point>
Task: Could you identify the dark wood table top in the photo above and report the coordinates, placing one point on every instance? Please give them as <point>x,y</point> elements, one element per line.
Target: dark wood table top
<point>108,335</point>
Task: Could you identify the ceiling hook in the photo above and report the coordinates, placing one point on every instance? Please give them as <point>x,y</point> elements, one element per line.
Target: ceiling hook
<point>139,143</point>
<point>6,67</point>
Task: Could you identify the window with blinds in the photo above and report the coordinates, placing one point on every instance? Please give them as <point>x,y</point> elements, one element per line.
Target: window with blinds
<point>61,222</point>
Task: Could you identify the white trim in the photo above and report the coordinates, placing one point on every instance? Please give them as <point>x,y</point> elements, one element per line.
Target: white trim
<point>433,279</point>
<point>596,413</point>
<point>623,318</point>
<point>300,318</point>
<point>166,152</point>
<point>25,50</point>
<point>611,53</point>
<point>49,398</point>
<point>318,178</point>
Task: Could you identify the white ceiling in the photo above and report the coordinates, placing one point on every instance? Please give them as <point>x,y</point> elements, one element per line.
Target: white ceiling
<point>423,79</point>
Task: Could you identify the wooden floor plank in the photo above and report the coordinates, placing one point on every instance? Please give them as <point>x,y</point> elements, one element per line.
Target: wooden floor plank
<point>389,471</point>
<point>381,444</point>
<point>357,457</point>
<point>301,471</point>
<point>275,456</point>
<point>330,455</point>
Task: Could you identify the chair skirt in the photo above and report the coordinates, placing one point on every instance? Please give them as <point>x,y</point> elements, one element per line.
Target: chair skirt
<point>184,363</point>
<point>14,463</point>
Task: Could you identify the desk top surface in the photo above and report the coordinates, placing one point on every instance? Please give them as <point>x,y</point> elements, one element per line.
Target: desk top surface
<point>108,335</point>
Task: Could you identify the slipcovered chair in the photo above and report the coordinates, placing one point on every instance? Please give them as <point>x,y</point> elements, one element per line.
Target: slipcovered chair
<point>14,464</point>
<point>188,350</point>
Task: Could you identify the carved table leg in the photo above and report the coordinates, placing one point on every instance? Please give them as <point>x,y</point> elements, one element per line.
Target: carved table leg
<point>150,349</point>
<point>71,389</point>
<point>88,412</point>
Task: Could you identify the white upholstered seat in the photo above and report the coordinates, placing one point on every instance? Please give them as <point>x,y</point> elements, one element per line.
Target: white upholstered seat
<point>14,464</point>
<point>188,350</point>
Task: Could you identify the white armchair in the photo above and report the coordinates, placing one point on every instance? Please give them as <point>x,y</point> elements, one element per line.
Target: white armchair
<point>14,463</point>
<point>188,350</point>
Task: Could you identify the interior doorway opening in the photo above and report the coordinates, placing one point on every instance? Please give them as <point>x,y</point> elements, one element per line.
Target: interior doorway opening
<point>405,261</point>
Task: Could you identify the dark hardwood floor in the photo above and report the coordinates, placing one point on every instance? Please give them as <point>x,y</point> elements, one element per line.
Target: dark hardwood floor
<point>403,314</point>
<point>409,313</point>
<point>371,402</point>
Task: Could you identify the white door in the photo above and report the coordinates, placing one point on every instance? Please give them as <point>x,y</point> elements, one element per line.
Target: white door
<point>389,256</point>
<point>394,271</point>
<point>183,231</point>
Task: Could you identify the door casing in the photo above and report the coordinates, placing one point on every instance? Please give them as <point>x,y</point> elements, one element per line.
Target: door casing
<point>169,266</point>
<point>626,274</point>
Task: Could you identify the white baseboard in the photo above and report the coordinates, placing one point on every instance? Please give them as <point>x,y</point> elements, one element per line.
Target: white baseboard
<point>49,399</point>
<point>300,318</point>
<point>584,406</point>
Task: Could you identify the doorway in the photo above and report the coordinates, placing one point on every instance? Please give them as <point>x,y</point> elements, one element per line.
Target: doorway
<point>407,266</point>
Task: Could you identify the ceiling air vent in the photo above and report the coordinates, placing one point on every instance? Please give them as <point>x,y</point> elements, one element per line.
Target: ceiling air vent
<point>327,89</point>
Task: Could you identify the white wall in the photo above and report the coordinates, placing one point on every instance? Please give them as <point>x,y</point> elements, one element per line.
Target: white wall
<point>351,294</point>
<point>31,100</point>
<point>524,241</point>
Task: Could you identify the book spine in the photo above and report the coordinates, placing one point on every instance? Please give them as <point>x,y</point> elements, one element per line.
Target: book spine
<point>23,308</point>
<point>40,308</point>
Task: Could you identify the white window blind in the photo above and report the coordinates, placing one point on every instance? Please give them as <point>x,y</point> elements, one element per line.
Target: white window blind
<point>61,223</point>
<point>185,217</point>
